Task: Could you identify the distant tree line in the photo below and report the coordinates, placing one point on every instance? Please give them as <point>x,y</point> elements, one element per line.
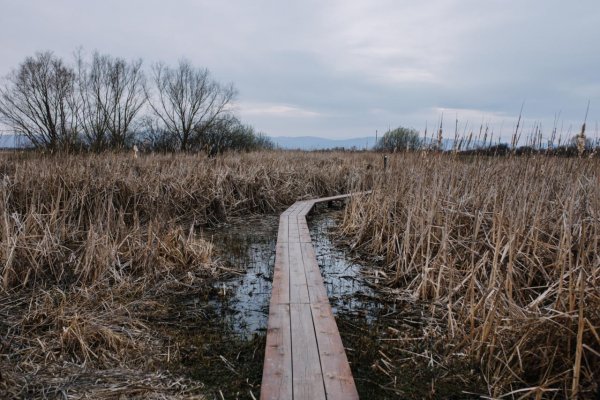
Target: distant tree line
<point>408,139</point>
<point>104,102</point>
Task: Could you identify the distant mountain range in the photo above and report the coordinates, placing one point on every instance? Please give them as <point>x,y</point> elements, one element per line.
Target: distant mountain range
<point>317,143</point>
<point>284,142</point>
<point>289,143</point>
<point>8,141</point>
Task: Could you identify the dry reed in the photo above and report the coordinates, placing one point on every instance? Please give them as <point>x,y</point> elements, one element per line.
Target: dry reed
<point>505,253</point>
<point>93,247</point>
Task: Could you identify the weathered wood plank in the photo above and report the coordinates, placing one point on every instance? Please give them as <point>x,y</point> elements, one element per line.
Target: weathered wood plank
<point>283,232</point>
<point>306,207</point>
<point>298,286</point>
<point>317,292</point>
<point>304,357</point>
<point>295,208</point>
<point>307,376</point>
<point>339,383</point>
<point>281,275</point>
<point>303,231</point>
<point>338,197</point>
<point>293,230</point>
<point>277,380</point>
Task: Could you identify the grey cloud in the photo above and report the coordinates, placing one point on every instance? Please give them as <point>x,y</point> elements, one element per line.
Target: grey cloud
<point>346,68</point>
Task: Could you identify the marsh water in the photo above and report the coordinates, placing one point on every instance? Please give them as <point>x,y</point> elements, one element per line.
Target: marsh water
<point>250,247</point>
<point>223,345</point>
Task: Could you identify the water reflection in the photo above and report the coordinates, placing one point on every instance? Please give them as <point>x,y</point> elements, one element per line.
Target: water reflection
<point>348,294</point>
<point>223,347</point>
<point>231,335</point>
<point>249,247</point>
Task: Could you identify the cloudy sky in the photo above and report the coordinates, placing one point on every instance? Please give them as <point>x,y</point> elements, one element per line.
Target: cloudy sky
<point>342,69</point>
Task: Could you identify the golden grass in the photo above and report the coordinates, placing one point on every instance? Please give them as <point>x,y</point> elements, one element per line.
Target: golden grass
<point>92,247</point>
<point>505,251</point>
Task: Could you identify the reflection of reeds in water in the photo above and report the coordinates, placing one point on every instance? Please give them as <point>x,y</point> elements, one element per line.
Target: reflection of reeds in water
<point>347,292</point>
<point>246,245</point>
<point>92,248</point>
<point>506,250</point>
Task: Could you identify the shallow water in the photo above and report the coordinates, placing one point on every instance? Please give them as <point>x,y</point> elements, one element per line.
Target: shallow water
<point>223,343</point>
<point>236,315</point>
<point>347,290</point>
<point>248,246</point>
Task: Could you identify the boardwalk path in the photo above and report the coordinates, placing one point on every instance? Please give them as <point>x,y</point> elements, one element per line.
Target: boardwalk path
<point>304,356</point>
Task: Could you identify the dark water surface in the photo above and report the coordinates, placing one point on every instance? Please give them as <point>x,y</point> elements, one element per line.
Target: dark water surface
<point>224,347</point>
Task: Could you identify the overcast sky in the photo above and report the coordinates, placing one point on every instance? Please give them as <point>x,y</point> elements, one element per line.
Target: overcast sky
<point>341,69</point>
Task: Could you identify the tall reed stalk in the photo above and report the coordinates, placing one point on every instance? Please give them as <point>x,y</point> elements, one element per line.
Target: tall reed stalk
<point>93,248</point>
<point>506,252</point>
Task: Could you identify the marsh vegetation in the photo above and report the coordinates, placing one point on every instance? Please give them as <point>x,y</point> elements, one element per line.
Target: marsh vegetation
<point>502,253</point>
<point>480,275</point>
<point>97,250</point>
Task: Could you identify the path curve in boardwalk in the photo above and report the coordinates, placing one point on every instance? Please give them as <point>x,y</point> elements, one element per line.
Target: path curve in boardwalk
<point>304,355</point>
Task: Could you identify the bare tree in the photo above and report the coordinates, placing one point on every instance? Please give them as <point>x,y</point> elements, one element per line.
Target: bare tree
<point>94,121</point>
<point>154,136</point>
<point>229,133</point>
<point>38,101</point>
<point>400,139</point>
<point>217,137</point>
<point>112,94</point>
<point>188,102</point>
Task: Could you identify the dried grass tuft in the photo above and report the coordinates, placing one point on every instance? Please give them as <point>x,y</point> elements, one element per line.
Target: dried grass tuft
<point>506,253</point>
<point>94,248</point>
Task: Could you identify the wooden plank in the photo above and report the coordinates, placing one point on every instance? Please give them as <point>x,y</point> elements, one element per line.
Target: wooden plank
<point>291,210</point>
<point>293,230</point>
<point>277,370</point>
<point>298,286</point>
<point>281,275</point>
<point>304,237</point>
<point>340,197</point>
<point>339,383</point>
<point>304,357</point>
<point>306,207</point>
<point>295,208</point>
<point>282,233</point>
<point>332,198</point>
<point>317,292</point>
<point>303,231</point>
<point>307,376</point>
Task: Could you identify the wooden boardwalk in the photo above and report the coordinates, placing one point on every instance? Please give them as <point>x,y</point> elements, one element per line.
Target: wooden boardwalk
<point>304,356</point>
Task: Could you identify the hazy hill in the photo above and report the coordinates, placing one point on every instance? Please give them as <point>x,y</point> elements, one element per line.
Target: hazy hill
<point>317,143</point>
<point>284,142</point>
<point>8,141</point>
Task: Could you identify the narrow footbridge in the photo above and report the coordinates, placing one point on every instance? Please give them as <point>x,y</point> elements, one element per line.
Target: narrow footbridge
<point>304,356</point>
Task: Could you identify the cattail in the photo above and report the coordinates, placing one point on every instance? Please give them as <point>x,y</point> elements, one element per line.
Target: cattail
<point>581,141</point>
<point>502,248</point>
<point>440,132</point>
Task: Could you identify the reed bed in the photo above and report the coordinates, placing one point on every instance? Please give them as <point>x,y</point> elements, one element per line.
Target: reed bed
<point>93,248</point>
<point>502,254</point>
